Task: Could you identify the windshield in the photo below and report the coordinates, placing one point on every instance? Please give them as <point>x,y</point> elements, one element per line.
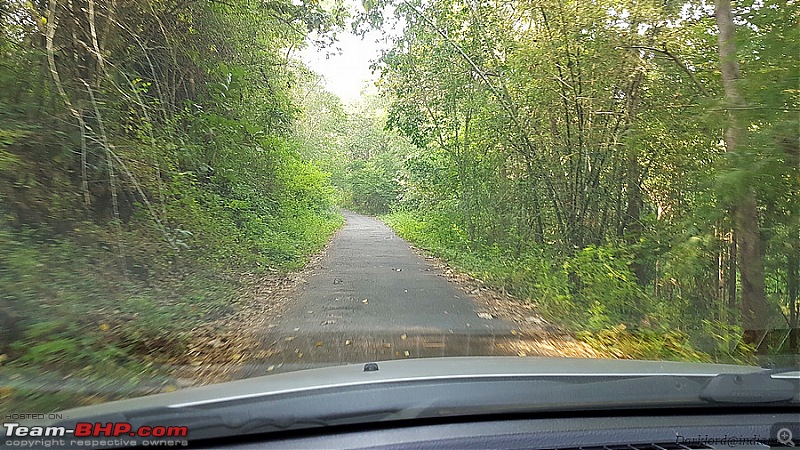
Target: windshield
<point>198,192</point>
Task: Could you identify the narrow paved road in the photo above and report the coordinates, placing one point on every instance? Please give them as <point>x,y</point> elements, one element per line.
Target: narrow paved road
<point>372,298</point>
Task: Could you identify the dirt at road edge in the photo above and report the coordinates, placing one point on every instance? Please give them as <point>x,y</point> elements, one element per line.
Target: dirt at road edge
<point>218,349</point>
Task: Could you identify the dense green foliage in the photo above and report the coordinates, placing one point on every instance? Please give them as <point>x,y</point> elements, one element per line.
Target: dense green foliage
<point>147,159</point>
<point>587,156</point>
<point>364,158</point>
<point>572,152</point>
<point>592,292</point>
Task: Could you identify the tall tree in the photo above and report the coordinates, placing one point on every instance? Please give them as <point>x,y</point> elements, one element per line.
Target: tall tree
<point>751,253</point>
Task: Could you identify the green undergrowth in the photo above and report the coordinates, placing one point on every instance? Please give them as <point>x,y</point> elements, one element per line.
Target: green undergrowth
<point>139,189</point>
<point>104,297</point>
<point>95,313</point>
<point>591,292</point>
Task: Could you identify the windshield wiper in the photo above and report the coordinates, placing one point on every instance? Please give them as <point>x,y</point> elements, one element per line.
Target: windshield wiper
<point>758,387</point>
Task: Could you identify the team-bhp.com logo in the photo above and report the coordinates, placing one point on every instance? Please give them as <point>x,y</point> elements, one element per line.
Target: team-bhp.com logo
<point>97,429</point>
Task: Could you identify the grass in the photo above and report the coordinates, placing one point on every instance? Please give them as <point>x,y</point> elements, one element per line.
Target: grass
<point>84,325</point>
<point>591,292</point>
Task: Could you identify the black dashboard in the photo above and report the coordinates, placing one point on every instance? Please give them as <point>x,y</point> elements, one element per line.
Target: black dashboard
<point>624,430</point>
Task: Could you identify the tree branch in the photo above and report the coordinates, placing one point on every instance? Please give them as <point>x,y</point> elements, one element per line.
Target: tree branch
<point>678,62</point>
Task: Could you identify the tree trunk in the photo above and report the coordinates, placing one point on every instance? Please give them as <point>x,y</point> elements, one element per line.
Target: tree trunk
<point>751,258</point>
<point>791,281</point>
<point>732,278</point>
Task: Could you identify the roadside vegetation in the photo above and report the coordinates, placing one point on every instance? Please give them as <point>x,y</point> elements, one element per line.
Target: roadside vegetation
<point>147,162</point>
<point>630,167</point>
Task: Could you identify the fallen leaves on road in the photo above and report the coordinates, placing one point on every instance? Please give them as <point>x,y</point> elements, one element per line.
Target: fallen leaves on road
<point>218,349</point>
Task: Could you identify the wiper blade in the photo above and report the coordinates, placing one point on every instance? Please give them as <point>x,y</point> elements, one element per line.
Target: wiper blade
<point>758,387</point>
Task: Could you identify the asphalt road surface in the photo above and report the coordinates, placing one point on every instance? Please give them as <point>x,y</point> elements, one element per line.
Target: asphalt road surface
<point>372,298</point>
